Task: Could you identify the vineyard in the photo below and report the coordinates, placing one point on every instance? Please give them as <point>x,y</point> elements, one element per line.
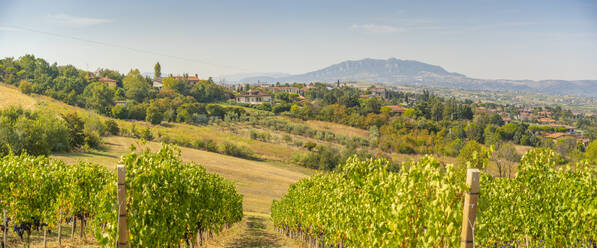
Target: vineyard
<point>362,204</point>
<point>169,202</point>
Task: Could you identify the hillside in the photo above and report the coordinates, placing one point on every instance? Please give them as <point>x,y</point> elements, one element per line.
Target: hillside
<point>259,182</point>
<point>414,73</point>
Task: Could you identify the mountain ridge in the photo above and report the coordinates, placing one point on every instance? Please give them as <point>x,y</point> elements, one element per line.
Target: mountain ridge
<point>395,71</point>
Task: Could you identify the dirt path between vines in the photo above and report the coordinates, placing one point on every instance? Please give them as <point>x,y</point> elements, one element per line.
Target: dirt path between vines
<point>255,230</point>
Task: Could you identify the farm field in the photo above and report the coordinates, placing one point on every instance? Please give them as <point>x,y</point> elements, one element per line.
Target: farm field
<point>259,182</point>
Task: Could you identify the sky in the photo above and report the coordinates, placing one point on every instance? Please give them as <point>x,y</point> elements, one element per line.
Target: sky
<point>489,39</point>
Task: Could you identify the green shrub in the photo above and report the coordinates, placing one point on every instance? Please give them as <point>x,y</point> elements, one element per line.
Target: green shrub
<point>236,150</point>
<point>205,144</point>
<point>309,145</point>
<point>256,135</point>
<point>26,87</point>
<point>112,127</point>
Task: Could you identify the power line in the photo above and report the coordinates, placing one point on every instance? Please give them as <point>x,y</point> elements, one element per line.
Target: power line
<point>124,47</point>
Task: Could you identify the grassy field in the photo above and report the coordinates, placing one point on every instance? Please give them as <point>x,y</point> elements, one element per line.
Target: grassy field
<point>259,182</point>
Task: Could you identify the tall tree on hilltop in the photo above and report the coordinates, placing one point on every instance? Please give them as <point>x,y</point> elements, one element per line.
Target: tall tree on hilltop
<point>157,70</point>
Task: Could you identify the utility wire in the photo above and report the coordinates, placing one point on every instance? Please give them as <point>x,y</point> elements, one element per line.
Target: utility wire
<point>123,47</point>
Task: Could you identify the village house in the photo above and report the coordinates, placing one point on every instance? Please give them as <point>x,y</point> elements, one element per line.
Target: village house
<point>157,83</point>
<point>525,116</point>
<point>120,103</point>
<point>254,97</point>
<point>566,137</point>
<point>506,119</point>
<point>192,80</point>
<point>569,129</point>
<point>108,81</point>
<point>294,90</point>
<point>397,109</point>
<point>546,120</point>
<point>305,89</point>
<point>379,91</point>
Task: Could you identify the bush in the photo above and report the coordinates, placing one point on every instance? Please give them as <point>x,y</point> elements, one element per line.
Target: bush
<point>309,145</point>
<point>205,144</point>
<point>26,87</point>
<point>136,111</point>
<point>475,153</point>
<point>236,150</point>
<point>92,140</point>
<point>324,158</point>
<point>284,107</point>
<point>146,134</point>
<point>119,112</point>
<point>256,135</point>
<point>112,127</point>
<point>33,132</point>
<point>154,115</point>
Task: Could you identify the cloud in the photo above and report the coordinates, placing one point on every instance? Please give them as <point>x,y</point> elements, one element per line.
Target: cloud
<point>78,21</point>
<point>4,28</point>
<point>374,28</point>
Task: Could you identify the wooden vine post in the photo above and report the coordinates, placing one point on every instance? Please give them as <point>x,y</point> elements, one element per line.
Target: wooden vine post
<point>45,236</point>
<point>5,230</point>
<point>123,230</point>
<point>60,229</point>
<point>471,198</point>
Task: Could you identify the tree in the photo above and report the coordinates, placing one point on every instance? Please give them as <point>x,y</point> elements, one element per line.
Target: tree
<point>370,105</point>
<point>591,153</point>
<point>135,86</point>
<point>178,85</point>
<point>282,107</point>
<point>504,156</point>
<point>474,155</point>
<point>75,125</point>
<point>215,110</point>
<point>474,132</point>
<point>157,70</point>
<point>112,127</point>
<point>99,97</point>
<point>154,115</point>
<point>26,87</point>
<point>119,112</point>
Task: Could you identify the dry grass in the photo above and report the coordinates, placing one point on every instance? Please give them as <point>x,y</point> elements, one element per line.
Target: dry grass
<point>259,182</point>
<point>10,95</point>
<point>333,127</point>
<point>255,230</point>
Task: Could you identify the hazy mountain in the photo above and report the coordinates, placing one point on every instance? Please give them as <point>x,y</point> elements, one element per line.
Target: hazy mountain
<point>241,76</point>
<point>409,72</point>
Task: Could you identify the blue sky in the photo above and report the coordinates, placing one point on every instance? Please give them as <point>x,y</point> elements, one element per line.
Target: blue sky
<point>483,38</point>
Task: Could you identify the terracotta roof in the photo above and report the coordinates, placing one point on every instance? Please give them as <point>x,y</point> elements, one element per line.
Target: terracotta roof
<point>564,126</point>
<point>397,108</point>
<point>283,87</point>
<point>557,135</point>
<point>546,120</point>
<point>106,79</point>
<point>253,93</point>
<point>189,78</point>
